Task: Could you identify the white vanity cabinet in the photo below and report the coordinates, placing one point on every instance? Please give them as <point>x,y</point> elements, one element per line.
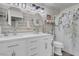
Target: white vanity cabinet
<point>40,46</point>
<point>27,46</point>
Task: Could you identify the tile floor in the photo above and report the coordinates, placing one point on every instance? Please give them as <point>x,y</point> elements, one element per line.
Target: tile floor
<point>64,54</point>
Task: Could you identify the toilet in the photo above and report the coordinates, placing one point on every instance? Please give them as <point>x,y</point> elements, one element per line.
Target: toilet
<point>58,47</point>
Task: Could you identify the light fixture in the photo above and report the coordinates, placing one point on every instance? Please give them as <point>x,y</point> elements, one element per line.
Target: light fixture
<point>31,7</point>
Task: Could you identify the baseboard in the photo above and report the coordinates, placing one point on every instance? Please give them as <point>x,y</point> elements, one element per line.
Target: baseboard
<point>67,53</point>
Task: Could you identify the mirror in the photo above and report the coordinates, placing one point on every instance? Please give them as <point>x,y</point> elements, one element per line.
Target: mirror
<point>14,14</point>
<point>15,20</point>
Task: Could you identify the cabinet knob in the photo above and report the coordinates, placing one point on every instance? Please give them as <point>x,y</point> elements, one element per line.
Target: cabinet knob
<point>34,54</point>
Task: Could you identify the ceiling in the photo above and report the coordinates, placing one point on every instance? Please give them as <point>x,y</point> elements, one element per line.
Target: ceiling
<point>58,6</point>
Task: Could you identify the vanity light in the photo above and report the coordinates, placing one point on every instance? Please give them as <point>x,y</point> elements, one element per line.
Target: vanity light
<point>42,10</point>
<point>31,7</point>
<point>24,5</point>
<point>38,9</point>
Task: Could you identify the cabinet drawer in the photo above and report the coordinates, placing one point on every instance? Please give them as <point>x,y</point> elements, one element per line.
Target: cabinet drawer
<point>35,54</point>
<point>48,37</point>
<point>33,43</point>
<point>33,40</point>
<point>32,50</point>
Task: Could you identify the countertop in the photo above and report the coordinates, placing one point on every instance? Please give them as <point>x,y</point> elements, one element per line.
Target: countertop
<point>22,35</point>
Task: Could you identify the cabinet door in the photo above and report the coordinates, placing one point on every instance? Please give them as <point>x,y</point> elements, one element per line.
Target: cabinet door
<point>33,47</point>
<point>13,48</point>
<point>4,50</point>
<point>19,49</point>
<point>46,49</point>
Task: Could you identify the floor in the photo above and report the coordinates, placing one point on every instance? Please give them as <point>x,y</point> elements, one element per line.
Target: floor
<point>64,54</point>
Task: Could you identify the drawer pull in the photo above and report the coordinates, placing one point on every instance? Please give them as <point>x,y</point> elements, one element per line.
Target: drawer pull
<point>34,54</point>
<point>45,39</point>
<point>34,41</point>
<point>13,45</point>
<point>33,48</point>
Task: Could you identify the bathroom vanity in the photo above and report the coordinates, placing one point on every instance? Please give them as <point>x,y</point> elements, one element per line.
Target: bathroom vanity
<point>23,43</point>
<point>26,45</point>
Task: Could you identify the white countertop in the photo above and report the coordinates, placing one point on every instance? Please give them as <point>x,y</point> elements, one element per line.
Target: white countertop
<point>23,35</point>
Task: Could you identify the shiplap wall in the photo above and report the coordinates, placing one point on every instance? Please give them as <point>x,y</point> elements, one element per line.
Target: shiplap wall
<point>22,26</point>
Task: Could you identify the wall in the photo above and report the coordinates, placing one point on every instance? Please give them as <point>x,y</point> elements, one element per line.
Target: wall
<point>51,11</point>
<point>66,35</point>
<point>49,27</point>
<point>23,25</point>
